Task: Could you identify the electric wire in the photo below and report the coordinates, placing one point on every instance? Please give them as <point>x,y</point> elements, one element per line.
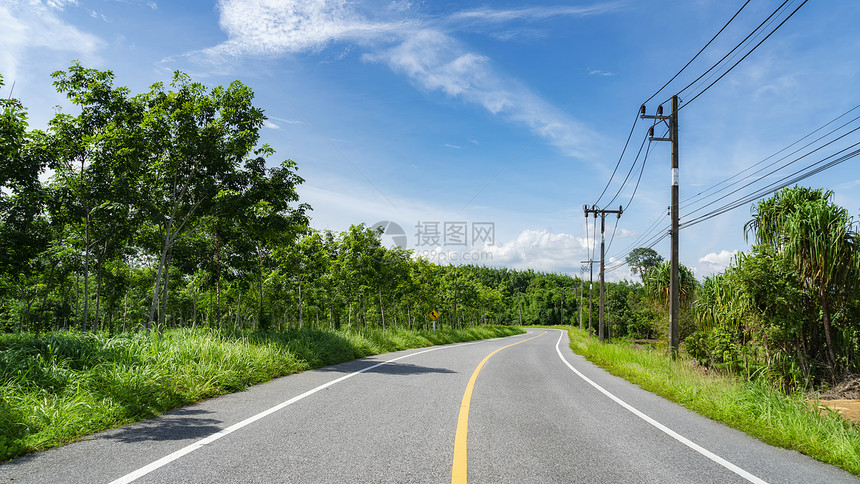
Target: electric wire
<point>697,53</point>
<point>608,246</point>
<point>744,57</point>
<point>786,165</point>
<point>787,180</point>
<point>779,160</point>
<point>712,187</point>
<point>632,167</point>
<point>623,150</point>
<point>645,234</point>
<point>736,47</point>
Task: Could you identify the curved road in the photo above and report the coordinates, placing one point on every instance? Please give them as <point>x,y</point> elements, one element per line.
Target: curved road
<point>518,409</point>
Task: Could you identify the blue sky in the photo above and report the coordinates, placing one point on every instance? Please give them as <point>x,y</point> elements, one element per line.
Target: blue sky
<point>460,113</point>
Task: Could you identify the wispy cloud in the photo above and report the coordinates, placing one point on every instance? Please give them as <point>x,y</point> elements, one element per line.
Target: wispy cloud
<point>454,147</point>
<point>422,49</point>
<point>270,125</point>
<point>286,121</point>
<point>25,25</point>
<point>598,72</point>
<point>531,13</point>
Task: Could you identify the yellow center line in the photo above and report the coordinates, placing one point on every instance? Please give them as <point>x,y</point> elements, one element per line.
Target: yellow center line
<point>458,470</point>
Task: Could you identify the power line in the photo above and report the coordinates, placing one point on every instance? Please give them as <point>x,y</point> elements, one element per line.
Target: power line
<point>623,150</point>
<point>786,165</point>
<point>779,184</point>
<point>745,55</point>
<point>712,187</point>
<point>632,167</point>
<point>645,234</point>
<point>697,53</point>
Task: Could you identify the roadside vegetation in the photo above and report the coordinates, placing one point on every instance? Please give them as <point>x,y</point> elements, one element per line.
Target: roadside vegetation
<point>61,386</point>
<point>753,406</point>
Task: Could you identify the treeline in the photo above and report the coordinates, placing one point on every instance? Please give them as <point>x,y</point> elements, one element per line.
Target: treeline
<point>157,210</point>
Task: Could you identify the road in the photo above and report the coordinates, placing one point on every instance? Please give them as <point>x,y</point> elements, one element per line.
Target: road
<point>519,409</point>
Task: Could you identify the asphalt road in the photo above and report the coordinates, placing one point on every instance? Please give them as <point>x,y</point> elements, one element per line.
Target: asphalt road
<point>536,413</point>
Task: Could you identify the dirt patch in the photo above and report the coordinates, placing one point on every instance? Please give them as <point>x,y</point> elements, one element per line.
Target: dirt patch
<point>847,408</point>
<point>844,398</point>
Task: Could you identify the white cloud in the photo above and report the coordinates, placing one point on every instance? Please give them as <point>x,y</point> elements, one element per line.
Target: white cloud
<point>270,125</point>
<point>267,27</point>
<point>423,50</point>
<point>284,120</point>
<point>598,72</point>
<point>28,25</point>
<point>541,250</point>
<point>713,262</point>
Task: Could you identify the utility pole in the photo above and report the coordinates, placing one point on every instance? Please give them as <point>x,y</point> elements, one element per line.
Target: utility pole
<point>602,213</point>
<point>674,281</point>
<point>581,283</point>
<point>590,289</point>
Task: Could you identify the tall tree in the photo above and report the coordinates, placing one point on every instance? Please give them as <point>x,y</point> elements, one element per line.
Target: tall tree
<point>91,166</point>
<point>193,142</point>
<point>642,259</point>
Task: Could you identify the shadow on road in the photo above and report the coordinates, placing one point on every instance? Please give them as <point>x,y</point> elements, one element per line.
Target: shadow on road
<point>390,369</point>
<point>178,425</point>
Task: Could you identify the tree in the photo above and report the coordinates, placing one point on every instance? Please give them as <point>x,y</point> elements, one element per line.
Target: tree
<point>92,170</point>
<point>820,239</point>
<point>192,142</point>
<point>641,260</point>
<point>23,232</point>
<point>267,217</point>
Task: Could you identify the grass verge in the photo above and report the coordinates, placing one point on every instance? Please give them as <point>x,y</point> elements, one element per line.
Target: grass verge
<point>787,421</point>
<point>65,385</point>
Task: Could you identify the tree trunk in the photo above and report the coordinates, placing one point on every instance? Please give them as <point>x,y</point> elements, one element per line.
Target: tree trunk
<point>99,267</point>
<point>260,306</point>
<point>86,271</point>
<point>828,333</point>
<point>156,289</point>
<point>381,310</point>
<point>162,313</point>
<point>301,315</point>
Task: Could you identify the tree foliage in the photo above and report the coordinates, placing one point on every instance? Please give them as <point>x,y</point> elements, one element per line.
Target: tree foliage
<point>789,306</point>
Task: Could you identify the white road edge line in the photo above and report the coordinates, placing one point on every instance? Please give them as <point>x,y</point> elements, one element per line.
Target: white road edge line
<point>132,476</point>
<point>671,433</point>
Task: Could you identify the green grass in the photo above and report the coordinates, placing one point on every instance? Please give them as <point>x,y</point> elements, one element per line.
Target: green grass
<point>61,386</point>
<point>761,411</point>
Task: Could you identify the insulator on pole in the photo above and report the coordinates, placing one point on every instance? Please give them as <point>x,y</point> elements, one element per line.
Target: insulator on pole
<point>651,132</point>
<point>642,110</point>
<point>660,110</point>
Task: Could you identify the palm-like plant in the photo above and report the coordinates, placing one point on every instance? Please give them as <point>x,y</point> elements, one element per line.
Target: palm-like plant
<point>821,241</point>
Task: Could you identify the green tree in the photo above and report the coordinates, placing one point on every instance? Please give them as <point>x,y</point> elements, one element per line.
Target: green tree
<point>193,141</point>
<point>641,260</point>
<point>820,239</point>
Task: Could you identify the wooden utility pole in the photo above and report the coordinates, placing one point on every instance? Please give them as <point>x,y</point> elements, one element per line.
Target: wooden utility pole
<point>602,213</point>
<point>674,280</point>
